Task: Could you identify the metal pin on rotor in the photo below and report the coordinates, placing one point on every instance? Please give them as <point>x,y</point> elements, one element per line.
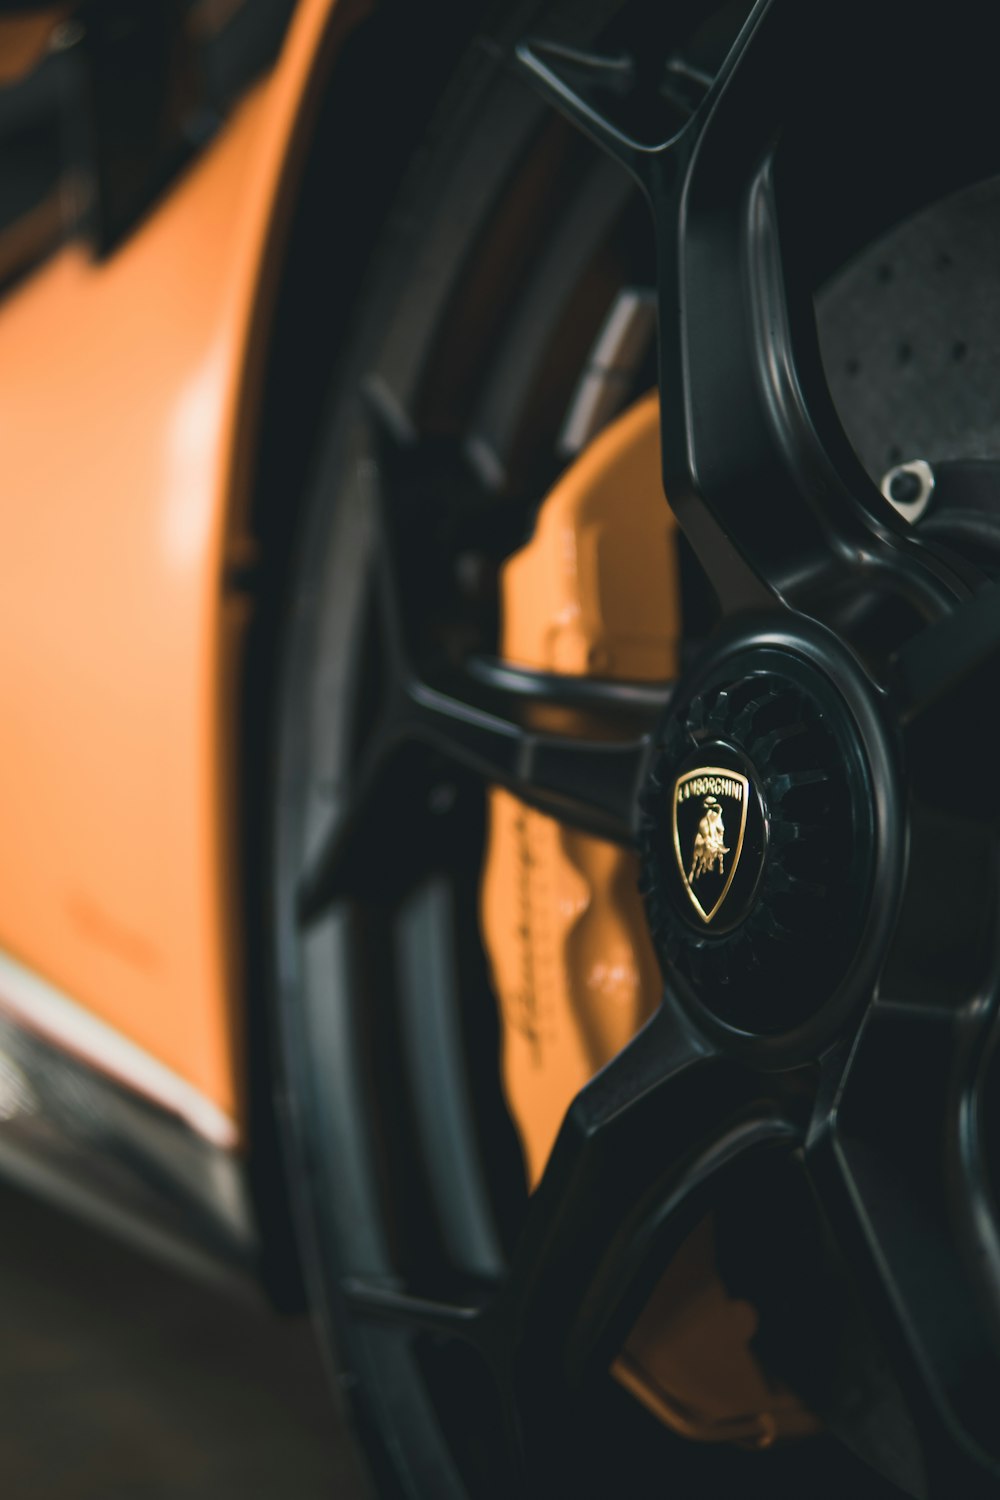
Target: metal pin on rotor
<point>908,488</point>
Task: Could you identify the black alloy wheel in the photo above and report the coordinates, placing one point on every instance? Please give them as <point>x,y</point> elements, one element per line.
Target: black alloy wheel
<point>820,1071</point>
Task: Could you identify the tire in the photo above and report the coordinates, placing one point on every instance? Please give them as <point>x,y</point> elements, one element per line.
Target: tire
<point>486,288</point>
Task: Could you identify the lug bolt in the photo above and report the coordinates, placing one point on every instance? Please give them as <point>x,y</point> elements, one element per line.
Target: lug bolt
<point>909,488</point>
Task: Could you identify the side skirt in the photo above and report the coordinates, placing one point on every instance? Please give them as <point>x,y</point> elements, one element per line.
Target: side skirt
<point>101,1128</point>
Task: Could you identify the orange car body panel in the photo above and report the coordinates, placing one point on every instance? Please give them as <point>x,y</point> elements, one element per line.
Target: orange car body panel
<point>127,390</point>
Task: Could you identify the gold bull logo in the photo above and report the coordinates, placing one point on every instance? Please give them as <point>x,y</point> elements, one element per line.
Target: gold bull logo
<point>710,846</point>
<point>709,824</point>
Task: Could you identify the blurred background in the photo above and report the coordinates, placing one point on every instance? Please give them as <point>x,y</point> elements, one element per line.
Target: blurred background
<point>121,1378</point>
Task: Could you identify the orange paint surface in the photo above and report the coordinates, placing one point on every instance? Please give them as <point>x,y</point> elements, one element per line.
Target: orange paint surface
<point>125,388</point>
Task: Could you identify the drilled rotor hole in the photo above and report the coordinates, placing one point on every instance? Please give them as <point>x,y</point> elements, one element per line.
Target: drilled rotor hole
<point>907,310</point>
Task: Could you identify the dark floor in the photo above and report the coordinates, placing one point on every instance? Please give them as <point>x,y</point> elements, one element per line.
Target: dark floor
<point>121,1380</point>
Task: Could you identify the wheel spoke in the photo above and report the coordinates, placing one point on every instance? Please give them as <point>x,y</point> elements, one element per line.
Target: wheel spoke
<point>954,657</point>
<point>489,729</point>
<point>573,747</point>
<point>749,427</point>
<point>349,860</point>
<point>590,783</point>
<point>643,1149</point>
<point>892,1167</point>
<point>898,1162</point>
<point>453,1317</point>
<point>615,700</point>
<point>756,463</point>
<point>640,1150</point>
<point>585,88</point>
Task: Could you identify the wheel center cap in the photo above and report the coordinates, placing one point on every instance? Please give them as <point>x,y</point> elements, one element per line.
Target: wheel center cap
<point>756,840</point>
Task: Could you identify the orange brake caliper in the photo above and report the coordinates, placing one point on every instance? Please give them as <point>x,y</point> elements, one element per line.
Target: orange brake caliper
<point>596,592</point>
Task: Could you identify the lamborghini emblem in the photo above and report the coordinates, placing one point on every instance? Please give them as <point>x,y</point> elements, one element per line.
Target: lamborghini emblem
<point>710,819</point>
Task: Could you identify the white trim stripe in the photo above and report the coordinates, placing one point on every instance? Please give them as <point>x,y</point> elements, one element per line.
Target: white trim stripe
<point>39,1007</point>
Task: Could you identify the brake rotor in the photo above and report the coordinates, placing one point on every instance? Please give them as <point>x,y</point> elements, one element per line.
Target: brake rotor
<point>596,592</point>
